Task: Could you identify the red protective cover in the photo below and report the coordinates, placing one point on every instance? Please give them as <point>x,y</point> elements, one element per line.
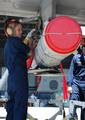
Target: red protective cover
<point>63,34</point>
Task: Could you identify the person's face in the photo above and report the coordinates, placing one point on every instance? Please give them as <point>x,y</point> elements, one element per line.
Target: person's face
<point>83,50</point>
<point>18,30</point>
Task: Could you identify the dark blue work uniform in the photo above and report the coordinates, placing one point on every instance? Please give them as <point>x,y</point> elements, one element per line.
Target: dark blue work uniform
<point>76,79</point>
<point>15,53</point>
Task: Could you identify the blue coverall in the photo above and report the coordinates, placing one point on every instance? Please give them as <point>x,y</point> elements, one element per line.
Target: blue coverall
<point>15,53</point>
<point>76,79</point>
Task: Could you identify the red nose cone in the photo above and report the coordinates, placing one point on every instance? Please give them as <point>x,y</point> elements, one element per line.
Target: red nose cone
<point>63,34</point>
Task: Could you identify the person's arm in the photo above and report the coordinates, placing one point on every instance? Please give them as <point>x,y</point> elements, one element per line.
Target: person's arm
<point>21,47</point>
<point>70,73</point>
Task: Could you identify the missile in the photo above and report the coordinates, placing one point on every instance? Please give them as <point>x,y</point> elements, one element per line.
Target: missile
<point>61,37</point>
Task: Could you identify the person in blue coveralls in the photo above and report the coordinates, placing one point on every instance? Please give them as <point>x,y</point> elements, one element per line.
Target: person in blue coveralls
<point>76,78</point>
<point>15,54</point>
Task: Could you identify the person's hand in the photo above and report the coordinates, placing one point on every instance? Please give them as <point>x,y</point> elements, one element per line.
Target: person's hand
<point>29,35</point>
<point>28,39</point>
<point>69,91</point>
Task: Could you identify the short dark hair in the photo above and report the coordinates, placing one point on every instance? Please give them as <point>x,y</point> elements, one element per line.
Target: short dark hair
<point>83,46</point>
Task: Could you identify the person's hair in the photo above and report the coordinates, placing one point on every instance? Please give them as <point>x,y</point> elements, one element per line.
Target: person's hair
<point>9,26</point>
